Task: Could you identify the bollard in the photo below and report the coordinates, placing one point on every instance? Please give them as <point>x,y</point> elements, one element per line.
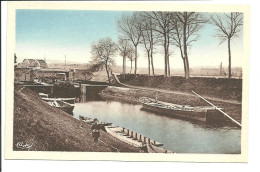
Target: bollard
<point>144,139</point>
<point>140,138</point>
<point>127,132</point>
<point>149,140</point>
<point>136,136</point>
<point>132,134</point>
<point>123,129</point>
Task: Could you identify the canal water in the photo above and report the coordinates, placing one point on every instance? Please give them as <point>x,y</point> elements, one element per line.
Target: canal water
<point>177,135</point>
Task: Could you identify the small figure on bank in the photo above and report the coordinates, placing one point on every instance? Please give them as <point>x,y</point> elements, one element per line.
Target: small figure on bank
<point>95,131</point>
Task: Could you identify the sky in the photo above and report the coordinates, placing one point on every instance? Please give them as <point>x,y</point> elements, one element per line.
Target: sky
<point>52,34</point>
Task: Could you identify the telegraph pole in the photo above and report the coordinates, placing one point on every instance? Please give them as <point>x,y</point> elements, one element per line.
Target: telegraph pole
<point>65,61</point>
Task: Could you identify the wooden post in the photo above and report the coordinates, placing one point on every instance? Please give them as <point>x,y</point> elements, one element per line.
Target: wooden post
<point>140,138</point>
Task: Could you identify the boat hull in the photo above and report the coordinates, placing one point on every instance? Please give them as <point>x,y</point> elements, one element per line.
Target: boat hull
<point>68,100</point>
<point>200,116</point>
<point>206,114</point>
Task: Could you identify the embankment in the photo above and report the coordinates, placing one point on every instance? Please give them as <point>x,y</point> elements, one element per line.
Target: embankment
<point>47,128</point>
<point>222,88</point>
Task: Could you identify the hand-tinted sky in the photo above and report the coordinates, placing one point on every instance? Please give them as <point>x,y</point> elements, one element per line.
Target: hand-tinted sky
<point>56,33</point>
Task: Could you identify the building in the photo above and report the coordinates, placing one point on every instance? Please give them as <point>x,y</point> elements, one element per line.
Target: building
<point>33,63</point>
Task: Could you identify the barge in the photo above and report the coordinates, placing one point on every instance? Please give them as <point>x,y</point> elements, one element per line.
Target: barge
<point>206,114</point>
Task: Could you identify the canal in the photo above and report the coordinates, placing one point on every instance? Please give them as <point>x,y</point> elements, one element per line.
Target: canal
<point>177,135</point>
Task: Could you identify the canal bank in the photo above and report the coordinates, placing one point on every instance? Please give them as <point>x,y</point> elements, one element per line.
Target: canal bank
<point>47,128</point>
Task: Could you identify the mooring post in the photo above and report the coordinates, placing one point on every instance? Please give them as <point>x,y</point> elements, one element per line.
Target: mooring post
<point>140,138</point>
<point>132,134</point>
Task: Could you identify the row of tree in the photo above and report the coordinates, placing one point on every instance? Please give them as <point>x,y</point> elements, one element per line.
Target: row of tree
<point>153,29</point>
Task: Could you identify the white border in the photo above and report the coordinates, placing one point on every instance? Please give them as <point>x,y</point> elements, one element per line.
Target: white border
<point>138,154</point>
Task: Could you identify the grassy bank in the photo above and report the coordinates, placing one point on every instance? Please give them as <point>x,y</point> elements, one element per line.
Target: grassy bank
<point>229,89</point>
<point>50,129</point>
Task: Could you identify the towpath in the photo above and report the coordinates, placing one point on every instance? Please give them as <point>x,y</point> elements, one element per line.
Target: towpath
<point>175,92</point>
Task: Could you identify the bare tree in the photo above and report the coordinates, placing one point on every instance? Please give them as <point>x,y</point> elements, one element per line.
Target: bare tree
<point>149,38</point>
<point>228,27</point>
<point>129,27</point>
<point>103,52</point>
<point>163,27</point>
<point>125,49</point>
<point>130,56</point>
<point>186,27</point>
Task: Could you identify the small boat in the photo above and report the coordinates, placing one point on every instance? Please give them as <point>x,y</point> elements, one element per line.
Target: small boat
<point>201,113</point>
<point>155,149</point>
<point>62,105</point>
<point>118,133</point>
<point>68,100</point>
<point>91,121</point>
<point>43,95</point>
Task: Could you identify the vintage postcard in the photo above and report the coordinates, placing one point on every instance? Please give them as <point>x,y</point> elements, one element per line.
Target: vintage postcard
<point>127,81</point>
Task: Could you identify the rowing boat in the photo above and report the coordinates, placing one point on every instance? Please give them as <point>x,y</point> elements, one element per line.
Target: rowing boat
<point>201,113</point>
<point>62,105</point>
<point>68,100</point>
<point>91,121</point>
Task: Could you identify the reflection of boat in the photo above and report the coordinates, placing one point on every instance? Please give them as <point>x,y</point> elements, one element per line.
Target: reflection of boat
<point>201,113</point>
<point>62,105</point>
<point>155,149</point>
<point>68,100</point>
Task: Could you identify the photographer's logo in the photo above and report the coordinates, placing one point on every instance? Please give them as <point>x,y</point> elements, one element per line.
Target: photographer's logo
<point>22,145</point>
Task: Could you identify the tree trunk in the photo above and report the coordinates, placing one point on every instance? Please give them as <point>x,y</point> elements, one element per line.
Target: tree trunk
<point>152,61</point>
<point>131,66</point>
<point>168,56</point>
<point>148,57</point>
<point>124,66</point>
<point>229,59</point>
<point>187,71</point>
<point>135,59</point>
<point>169,69</point>
<point>187,74</point>
<point>107,73</point>
<point>151,48</point>
<point>123,69</point>
<point>165,57</point>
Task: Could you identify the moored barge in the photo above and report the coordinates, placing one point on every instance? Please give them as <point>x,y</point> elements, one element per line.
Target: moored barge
<point>207,114</point>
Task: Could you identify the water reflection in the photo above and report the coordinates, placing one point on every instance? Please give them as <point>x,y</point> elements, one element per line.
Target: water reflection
<point>177,135</point>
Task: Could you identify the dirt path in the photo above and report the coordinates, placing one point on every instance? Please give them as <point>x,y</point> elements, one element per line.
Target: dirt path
<point>176,92</point>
